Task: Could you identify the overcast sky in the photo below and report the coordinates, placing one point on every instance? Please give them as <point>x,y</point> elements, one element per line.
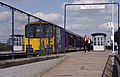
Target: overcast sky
<point>78,20</point>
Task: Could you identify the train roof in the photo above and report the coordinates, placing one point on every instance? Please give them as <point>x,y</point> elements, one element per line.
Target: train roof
<point>39,22</point>
<point>73,33</point>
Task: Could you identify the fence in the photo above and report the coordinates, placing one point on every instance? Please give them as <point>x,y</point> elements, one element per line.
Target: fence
<point>12,29</point>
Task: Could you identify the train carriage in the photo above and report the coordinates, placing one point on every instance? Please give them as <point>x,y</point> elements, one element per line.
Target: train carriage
<point>44,34</point>
<point>73,41</point>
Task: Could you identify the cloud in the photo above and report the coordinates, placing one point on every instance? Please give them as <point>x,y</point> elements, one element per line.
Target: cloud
<point>6,23</point>
<point>107,17</point>
<point>77,20</point>
<point>5,15</point>
<point>21,20</point>
<point>77,7</point>
<point>77,27</point>
<point>106,27</point>
<point>51,17</point>
<point>94,17</point>
<point>107,9</point>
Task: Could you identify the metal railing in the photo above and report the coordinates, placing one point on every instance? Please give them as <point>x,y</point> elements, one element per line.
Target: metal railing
<point>108,69</point>
<point>12,25</point>
<point>117,66</point>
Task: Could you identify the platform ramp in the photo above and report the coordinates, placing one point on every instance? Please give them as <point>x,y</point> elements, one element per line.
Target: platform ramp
<point>108,70</point>
<point>81,64</point>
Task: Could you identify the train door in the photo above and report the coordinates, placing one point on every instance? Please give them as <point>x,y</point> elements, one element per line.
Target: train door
<point>62,40</point>
<point>58,39</point>
<point>71,41</point>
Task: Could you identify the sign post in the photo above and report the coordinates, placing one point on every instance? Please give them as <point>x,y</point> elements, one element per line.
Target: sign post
<point>97,6</point>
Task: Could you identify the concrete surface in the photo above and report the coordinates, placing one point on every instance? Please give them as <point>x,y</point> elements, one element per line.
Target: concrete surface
<point>80,64</point>
<point>31,69</point>
<point>22,61</point>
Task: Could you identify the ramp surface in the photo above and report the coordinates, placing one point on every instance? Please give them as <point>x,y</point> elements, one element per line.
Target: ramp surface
<point>80,64</point>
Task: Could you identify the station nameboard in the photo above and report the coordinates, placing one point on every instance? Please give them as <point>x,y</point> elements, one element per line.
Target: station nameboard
<point>92,6</point>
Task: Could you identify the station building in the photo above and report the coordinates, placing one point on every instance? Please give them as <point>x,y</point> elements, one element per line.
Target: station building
<point>18,42</point>
<point>99,41</point>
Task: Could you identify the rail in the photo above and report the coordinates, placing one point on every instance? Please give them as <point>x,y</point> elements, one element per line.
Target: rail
<point>117,66</point>
<point>108,70</point>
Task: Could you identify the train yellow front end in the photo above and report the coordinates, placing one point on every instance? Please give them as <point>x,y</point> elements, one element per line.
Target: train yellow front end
<point>40,35</point>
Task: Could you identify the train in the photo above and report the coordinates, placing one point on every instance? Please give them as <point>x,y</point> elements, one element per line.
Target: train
<point>41,36</point>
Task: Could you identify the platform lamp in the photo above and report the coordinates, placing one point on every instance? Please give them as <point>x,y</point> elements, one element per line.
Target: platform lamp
<point>111,25</point>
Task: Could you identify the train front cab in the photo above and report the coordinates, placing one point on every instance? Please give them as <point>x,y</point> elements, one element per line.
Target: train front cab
<point>41,34</point>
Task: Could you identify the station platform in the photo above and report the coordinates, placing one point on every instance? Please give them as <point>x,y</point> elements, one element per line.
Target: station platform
<point>80,64</point>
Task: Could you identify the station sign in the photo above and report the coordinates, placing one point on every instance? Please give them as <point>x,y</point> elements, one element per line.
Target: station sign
<point>92,6</point>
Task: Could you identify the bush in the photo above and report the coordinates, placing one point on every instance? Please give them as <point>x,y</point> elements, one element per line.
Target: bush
<point>5,47</point>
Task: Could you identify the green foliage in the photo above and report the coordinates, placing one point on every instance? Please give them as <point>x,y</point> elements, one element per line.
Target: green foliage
<point>43,53</point>
<point>5,47</point>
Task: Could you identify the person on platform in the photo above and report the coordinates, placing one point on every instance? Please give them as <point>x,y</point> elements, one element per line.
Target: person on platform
<point>108,45</point>
<point>85,43</point>
<point>89,44</point>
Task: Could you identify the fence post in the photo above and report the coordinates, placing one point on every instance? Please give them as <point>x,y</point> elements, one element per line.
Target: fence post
<point>118,32</point>
<point>48,51</point>
<point>28,33</point>
<point>12,33</point>
<point>64,26</point>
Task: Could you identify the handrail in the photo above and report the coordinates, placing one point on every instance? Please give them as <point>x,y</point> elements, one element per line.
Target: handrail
<point>117,65</point>
<point>106,66</point>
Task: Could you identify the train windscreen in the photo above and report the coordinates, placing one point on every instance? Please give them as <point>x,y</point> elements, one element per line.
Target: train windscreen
<point>39,31</point>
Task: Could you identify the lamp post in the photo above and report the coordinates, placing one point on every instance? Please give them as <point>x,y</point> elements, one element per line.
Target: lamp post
<point>112,37</point>
<point>111,25</point>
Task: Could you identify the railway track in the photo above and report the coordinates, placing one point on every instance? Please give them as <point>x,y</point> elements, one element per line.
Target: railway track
<point>8,55</point>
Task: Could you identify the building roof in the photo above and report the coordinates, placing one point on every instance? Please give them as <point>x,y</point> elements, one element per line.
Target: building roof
<point>96,34</point>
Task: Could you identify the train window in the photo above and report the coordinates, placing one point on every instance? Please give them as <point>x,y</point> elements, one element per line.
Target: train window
<point>39,31</point>
<point>43,30</point>
<point>48,31</point>
<point>58,32</point>
<point>29,31</point>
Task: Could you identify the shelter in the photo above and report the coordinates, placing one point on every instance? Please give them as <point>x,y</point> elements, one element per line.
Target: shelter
<point>18,42</point>
<point>99,41</point>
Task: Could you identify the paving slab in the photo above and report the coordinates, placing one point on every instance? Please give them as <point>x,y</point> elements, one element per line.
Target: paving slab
<point>80,64</point>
